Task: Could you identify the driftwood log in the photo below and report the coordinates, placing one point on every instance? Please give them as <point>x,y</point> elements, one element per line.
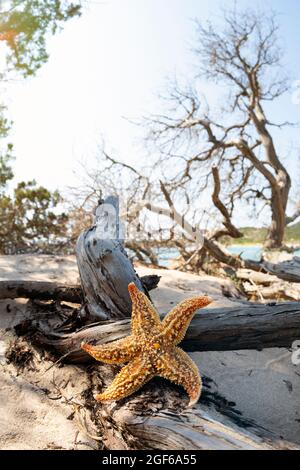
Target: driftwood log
<point>104,267</point>
<point>127,428</point>
<point>250,326</point>
<point>287,270</point>
<point>42,290</point>
<point>266,286</point>
<point>157,418</point>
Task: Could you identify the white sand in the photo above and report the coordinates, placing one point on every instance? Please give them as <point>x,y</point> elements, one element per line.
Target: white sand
<point>34,405</point>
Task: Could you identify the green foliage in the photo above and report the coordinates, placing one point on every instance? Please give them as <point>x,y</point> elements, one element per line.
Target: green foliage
<point>29,220</point>
<point>25,26</point>
<point>4,123</point>
<point>30,217</point>
<point>6,173</point>
<point>292,233</point>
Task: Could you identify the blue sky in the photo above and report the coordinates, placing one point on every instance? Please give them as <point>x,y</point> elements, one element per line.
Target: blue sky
<point>109,65</point>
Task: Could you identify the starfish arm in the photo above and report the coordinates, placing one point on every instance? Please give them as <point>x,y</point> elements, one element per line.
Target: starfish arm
<point>144,318</point>
<point>115,352</point>
<point>129,379</point>
<point>178,367</point>
<point>178,319</point>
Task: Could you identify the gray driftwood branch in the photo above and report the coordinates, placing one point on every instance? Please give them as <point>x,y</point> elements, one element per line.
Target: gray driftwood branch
<point>249,326</point>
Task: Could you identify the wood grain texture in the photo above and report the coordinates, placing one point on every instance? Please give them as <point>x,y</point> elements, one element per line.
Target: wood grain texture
<point>247,326</point>
<point>40,290</point>
<point>156,417</point>
<point>45,290</point>
<point>104,267</point>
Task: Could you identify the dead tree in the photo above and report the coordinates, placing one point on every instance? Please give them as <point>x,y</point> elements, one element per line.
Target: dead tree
<point>245,56</point>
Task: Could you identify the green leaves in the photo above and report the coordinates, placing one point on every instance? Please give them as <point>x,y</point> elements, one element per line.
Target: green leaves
<point>31,219</point>
<point>25,26</point>
<point>6,173</point>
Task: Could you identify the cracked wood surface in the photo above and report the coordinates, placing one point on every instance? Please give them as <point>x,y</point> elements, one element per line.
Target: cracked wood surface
<point>248,326</point>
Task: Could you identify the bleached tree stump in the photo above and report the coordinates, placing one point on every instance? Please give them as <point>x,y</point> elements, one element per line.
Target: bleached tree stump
<point>104,267</point>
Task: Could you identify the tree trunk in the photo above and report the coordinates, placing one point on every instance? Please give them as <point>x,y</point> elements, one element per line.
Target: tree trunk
<point>279,202</point>
<point>247,326</point>
<point>40,290</point>
<point>44,290</point>
<point>104,267</point>
<point>280,183</point>
<point>276,230</point>
<point>157,418</point>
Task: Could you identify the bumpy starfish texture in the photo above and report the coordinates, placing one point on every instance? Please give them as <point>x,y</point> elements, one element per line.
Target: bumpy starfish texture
<point>151,349</point>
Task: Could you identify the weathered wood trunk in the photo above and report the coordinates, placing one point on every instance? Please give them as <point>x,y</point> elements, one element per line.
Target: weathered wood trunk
<point>287,270</point>
<point>250,326</point>
<point>266,286</point>
<point>104,267</point>
<point>157,418</point>
<point>276,230</point>
<point>44,290</point>
<point>40,290</point>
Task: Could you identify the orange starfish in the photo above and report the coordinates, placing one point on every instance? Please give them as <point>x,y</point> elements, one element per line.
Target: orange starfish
<point>151,349</point>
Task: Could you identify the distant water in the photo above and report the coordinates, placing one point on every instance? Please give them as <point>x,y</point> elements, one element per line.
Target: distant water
<point>251,252</point>
<point>165,255</point>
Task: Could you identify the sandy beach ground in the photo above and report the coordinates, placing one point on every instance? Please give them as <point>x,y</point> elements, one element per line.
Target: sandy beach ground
<point>38,406</point>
